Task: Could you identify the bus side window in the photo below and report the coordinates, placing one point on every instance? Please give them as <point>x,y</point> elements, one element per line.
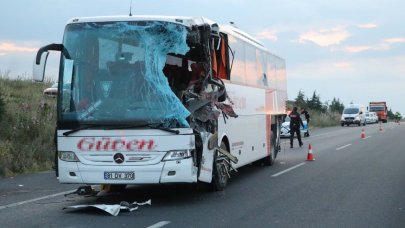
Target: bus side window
<point>221,60</point>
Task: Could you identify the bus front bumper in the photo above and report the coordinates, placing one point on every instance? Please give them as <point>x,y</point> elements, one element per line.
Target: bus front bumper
<point>175,171</point>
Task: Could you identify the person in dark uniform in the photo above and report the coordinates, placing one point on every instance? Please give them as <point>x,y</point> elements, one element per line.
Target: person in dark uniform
<point>295,124</point>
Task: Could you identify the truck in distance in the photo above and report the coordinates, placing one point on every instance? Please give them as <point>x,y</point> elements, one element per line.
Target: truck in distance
<point>380,107</point>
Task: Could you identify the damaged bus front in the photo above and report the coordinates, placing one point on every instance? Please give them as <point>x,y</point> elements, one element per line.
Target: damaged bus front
<point>152,100</point>
<point>130,88</point>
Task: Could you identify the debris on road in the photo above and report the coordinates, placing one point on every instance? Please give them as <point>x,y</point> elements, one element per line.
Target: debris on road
<point>113,209</point>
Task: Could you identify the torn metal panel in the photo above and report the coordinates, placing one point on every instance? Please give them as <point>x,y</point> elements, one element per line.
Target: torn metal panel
<point>228,155</point>
<point>227,109</point>
<point>206,92</point>
<point>207,159</point>
<point>206,113</point>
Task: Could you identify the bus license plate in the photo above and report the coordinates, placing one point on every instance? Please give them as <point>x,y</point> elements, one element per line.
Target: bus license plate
<point>119,175</point>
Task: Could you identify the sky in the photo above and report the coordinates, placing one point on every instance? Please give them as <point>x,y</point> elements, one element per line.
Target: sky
<point>353,51</point>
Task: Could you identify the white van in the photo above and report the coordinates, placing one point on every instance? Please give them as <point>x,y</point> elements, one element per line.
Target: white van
<point>371,117</point>
<point>353,114</point>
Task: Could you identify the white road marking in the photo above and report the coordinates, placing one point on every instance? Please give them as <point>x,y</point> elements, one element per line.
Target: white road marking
<point>289,169</point>
<point>367,137</point>
<point>35,199</point>
<point>320,135</point>
<point>159,224</point>
<point>342,147</point>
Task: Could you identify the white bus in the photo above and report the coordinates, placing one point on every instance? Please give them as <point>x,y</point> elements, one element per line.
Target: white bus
<point>157,99</point>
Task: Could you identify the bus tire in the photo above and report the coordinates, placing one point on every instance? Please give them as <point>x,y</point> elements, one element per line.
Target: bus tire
<point>220,170</point>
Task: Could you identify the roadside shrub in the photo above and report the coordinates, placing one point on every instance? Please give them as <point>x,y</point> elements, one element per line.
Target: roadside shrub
<point>5,157</point>
<point>26,127</point>
<point>2,108</point>
<point>327,119</point>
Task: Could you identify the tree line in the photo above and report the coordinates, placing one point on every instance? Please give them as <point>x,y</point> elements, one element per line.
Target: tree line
<point>335,106</point>
<point>314,103</point>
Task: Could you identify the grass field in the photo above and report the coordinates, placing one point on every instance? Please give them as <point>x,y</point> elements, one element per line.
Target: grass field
<point>319,120</point>
<point>27,124</point>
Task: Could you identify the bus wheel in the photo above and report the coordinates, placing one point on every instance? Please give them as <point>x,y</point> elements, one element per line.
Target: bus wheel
<point>220,172</point>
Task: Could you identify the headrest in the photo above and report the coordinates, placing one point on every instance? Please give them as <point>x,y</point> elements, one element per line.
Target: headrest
<point>124,56</point>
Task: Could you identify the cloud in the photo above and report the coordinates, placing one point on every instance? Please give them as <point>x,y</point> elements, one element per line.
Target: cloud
<point>367,26</point>
<point>267,34</point>
<point>382,46</point>
<point>343,65</point>
<point>12,47</point>
<point>362,48</point>
<point>357,49</point>
<point>325,37</point>
<point>2,53</point>
<point>395,40</point>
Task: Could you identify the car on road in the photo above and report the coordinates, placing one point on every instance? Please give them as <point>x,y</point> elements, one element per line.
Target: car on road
<point>375,116</point>
<point>285,127</point>
<point>371,117</point>
<point>51,91</point>
<point>353,114</point>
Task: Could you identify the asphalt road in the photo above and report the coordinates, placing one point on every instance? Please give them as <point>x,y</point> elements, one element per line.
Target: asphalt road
<point>353,182</point>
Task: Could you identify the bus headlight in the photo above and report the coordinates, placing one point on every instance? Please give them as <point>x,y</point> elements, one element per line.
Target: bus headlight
<point>177,155</point>
<point>68,156</point>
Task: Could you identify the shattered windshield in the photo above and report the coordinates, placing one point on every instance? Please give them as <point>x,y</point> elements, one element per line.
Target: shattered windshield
<point>117,73</point>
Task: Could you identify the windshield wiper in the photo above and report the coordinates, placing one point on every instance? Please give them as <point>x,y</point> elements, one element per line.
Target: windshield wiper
<point>149,125</point>
<point>111,127</point>
<point>87,126</point>
<point>166,129</point>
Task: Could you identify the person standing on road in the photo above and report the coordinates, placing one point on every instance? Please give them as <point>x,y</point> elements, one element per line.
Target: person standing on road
<point>295,124</point>
<point>306,114</point>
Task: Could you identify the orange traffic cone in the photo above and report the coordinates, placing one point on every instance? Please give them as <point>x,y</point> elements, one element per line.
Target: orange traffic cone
<point>310,156</point>
<point>363,134</point>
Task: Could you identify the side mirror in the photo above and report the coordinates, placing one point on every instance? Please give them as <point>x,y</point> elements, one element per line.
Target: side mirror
<point>39,69</point>
<point>361,113</point>
<point>42,56</point>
